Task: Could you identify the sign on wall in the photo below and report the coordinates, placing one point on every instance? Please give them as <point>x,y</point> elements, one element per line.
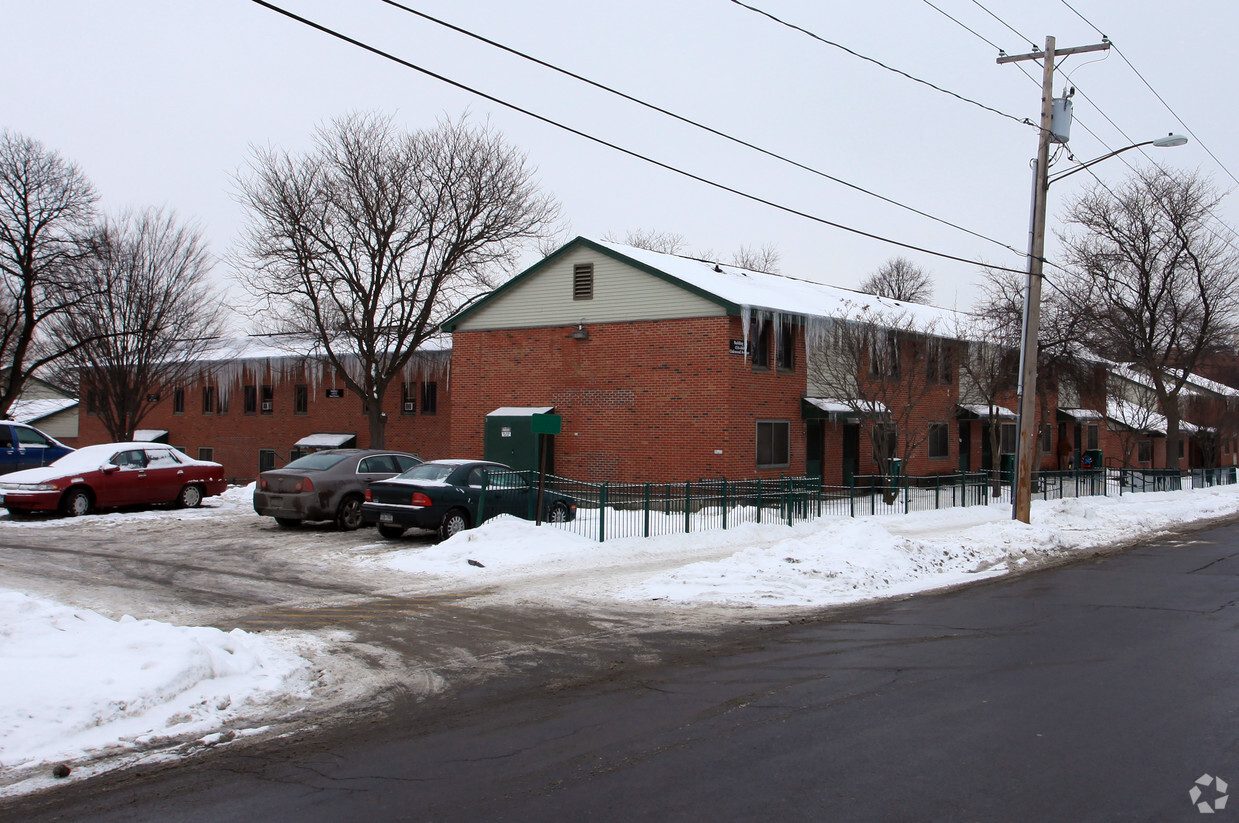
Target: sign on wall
<point>335,393</point>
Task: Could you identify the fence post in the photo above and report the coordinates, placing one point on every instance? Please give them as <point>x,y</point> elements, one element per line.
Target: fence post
<point>759,500</point>
<point>906,484</point>
<point>687,507</point>
<point>724,504</point>
<point>482,498</point>
<point>852,494</point>
<point>787,499</point>
<point>647,509</point>
<point>602,513</point>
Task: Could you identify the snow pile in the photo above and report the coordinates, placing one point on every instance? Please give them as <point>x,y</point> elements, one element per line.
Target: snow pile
<point>76,683</point>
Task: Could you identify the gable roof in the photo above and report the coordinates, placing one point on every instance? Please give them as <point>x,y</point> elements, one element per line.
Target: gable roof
<point>735,289</point>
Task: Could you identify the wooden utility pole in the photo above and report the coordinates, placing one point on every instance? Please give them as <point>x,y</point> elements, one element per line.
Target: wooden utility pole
<point>1025,454</point>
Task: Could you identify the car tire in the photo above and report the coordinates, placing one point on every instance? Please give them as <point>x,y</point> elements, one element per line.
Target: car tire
<point>454,522</point>
<point>77,502</point>
<point>348,515</point>
<point>287,522</point>
<point>558,513</point>
<point>190,497</point>
<point>391,532</point>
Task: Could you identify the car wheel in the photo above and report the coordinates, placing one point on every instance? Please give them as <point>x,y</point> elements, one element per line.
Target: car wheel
<point>454,522</point>
<point>76,502</point>
<point>190,497</point>
<point>288,522</point>
<point>391,532</point>
<point>348,516</point>
<point>559,513</point>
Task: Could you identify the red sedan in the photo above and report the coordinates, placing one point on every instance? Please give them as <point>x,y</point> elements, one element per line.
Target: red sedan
<point>111,475</point>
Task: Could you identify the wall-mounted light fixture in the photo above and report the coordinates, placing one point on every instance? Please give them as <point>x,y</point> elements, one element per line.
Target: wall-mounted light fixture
<point>580,332</point>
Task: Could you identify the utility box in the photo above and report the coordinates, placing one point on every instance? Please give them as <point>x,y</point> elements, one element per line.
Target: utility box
<point>510,438</point>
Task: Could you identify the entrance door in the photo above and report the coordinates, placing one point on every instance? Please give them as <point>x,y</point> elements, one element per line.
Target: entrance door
<point>987,454</point>
<point>851,451</point>
<point>814,449</point>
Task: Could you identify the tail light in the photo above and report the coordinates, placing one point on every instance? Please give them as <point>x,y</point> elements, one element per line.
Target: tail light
<point>420,499</point>
<point>304,485</point>
<point>369,496</point>
<point>263,484</point>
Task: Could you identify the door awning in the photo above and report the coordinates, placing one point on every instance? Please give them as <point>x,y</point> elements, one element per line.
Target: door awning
<point>824,408</point>
<point>150,435</point>
<point>1079,414</point>
<point>981,411</point>
<point>520,411</point>
<point>325,440</point>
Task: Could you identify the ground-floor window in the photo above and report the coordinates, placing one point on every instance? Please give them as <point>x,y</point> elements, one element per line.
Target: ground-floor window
<point>1094,434</point>
<point>1007,439</point>
<point>773,444</point>
<point>266,460</point>
<point>939,441</point>
<point>206,453</point>
<point>1043,438</point>
<point>1144,451</point>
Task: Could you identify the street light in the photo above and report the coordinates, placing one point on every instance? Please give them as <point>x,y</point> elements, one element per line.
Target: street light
<point>1022,498</point>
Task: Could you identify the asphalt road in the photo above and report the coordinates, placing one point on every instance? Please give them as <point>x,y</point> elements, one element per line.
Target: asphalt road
<point>1097,691</point>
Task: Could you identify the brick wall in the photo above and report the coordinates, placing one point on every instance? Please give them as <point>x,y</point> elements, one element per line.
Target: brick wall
<point>237,437</point>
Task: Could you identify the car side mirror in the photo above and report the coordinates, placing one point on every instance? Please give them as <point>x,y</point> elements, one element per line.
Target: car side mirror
<point>109,468</point>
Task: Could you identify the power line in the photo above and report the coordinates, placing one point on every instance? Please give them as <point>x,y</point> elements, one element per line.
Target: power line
<point>691,122</point>
<point>1023,37</point>
<point>1160,99</point>
<point>541,118</point>
<point>1023,121</point>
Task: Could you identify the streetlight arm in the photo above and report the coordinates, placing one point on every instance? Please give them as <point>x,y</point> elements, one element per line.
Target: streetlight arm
<point>1161,143</point>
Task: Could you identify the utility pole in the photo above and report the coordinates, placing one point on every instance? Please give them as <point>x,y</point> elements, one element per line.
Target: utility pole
<point>1025,453</point>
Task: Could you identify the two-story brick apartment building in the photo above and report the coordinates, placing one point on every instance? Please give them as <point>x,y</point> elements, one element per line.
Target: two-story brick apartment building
<point>666,367</point>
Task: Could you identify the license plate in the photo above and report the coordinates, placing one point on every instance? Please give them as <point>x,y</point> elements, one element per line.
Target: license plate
<point>385,517</point>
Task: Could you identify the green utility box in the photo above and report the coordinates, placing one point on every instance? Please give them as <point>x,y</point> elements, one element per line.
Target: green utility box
<point>1006,468</point>
<point>510,437</point>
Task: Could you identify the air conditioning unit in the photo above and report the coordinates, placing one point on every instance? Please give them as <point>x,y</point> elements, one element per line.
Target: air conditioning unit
<point>410,406</point>
<point>267,406</point>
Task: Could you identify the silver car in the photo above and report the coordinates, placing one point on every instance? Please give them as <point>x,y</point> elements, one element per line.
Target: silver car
<point>326,485</point>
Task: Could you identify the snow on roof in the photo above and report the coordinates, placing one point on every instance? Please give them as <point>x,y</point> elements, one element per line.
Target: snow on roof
<point>149,435</point>
<point>983,410</point>
<point>785,295</point>
<point>28,411</point>
<point>1082,414</point>
<point>324,440</point>
<point>280,347</point>
<point>831,406</point>
<point>520,411</point>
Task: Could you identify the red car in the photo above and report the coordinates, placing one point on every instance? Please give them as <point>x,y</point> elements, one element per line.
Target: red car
<point>111,475</point>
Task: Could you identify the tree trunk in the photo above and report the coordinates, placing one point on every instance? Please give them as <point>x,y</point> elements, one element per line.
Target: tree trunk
<point>378,424</point>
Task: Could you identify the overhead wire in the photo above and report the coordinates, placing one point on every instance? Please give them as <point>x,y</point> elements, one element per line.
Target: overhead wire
<point>613,146</point>
<point>696,124</point>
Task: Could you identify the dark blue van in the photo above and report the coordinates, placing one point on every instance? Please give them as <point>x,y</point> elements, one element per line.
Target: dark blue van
<point>25,447</point>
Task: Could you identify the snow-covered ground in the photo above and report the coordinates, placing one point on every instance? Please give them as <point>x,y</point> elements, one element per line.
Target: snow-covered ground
<point>77,686</point>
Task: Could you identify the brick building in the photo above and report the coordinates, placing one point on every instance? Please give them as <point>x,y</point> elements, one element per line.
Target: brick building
<point>254,406</point>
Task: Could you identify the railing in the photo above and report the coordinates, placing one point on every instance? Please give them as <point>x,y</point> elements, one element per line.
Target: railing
<point>613,510</point>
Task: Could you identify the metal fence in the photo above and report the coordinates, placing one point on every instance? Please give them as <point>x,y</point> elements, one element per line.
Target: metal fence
<point>612,510</point>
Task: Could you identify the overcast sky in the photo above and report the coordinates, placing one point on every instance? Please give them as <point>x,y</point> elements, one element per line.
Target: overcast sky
<point>160,102</point>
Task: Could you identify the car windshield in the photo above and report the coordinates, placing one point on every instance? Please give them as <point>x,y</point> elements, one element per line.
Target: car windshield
<point>429,471</point>
<point>316,462</point>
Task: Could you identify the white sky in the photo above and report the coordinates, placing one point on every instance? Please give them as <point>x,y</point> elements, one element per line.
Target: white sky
<point>159,103</point>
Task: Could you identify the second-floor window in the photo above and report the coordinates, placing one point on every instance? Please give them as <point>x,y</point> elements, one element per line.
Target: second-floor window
<point>250,404</point>
<point>759,342</point>
<point>267,404</point>
<point>301,399</point>
<point>430,398</point>
<point>408,398</point>
<point>208,400</point>
<point>178,401</point>
<point>785,347</point>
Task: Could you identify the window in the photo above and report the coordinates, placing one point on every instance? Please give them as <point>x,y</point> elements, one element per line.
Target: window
<point>30,437</point>
<point>583,281</point>
<point>1093,435</point>
<point>161,458</point>
<point>301,399</point>
<point>784,347</point>
<point>939,441</point>
<point>773,438</point>
<point>430,398</point>
<point>178,401</point>
<point>268,400</point>
<point>1043,438</point>
<point>206,453</point>
<point>266,460</point>
<point>92,401</point>
<point>938,363</point>
<point>408,398</point>
<point>223,400</point>
<point>884,356</point>
<point>1007,439</point>
<point>1182,443</point>
<point>1144,451</point>
<point>251,399</point>
<point>759,341</point>
<point>378,464</point>
<point>208,400</point>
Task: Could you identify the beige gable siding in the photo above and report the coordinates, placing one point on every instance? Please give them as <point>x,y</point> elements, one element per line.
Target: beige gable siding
<point>621,293</point>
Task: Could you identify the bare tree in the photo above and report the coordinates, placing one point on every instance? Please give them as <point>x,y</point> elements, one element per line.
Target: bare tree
<point>874,362</point>
<point>1159,288</point>
<point>1131,407</point>
<point>664,242</point>
<point>900,279</point>
<point>765,258</point>
<point>46,204</point>
<point>146,314</point>
<point>368,242</point>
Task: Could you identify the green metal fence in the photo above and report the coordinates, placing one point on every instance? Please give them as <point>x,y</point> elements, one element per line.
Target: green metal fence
<point>606,511</point>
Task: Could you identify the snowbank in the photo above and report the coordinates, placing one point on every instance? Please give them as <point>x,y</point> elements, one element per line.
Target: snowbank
<point>76,684</point>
